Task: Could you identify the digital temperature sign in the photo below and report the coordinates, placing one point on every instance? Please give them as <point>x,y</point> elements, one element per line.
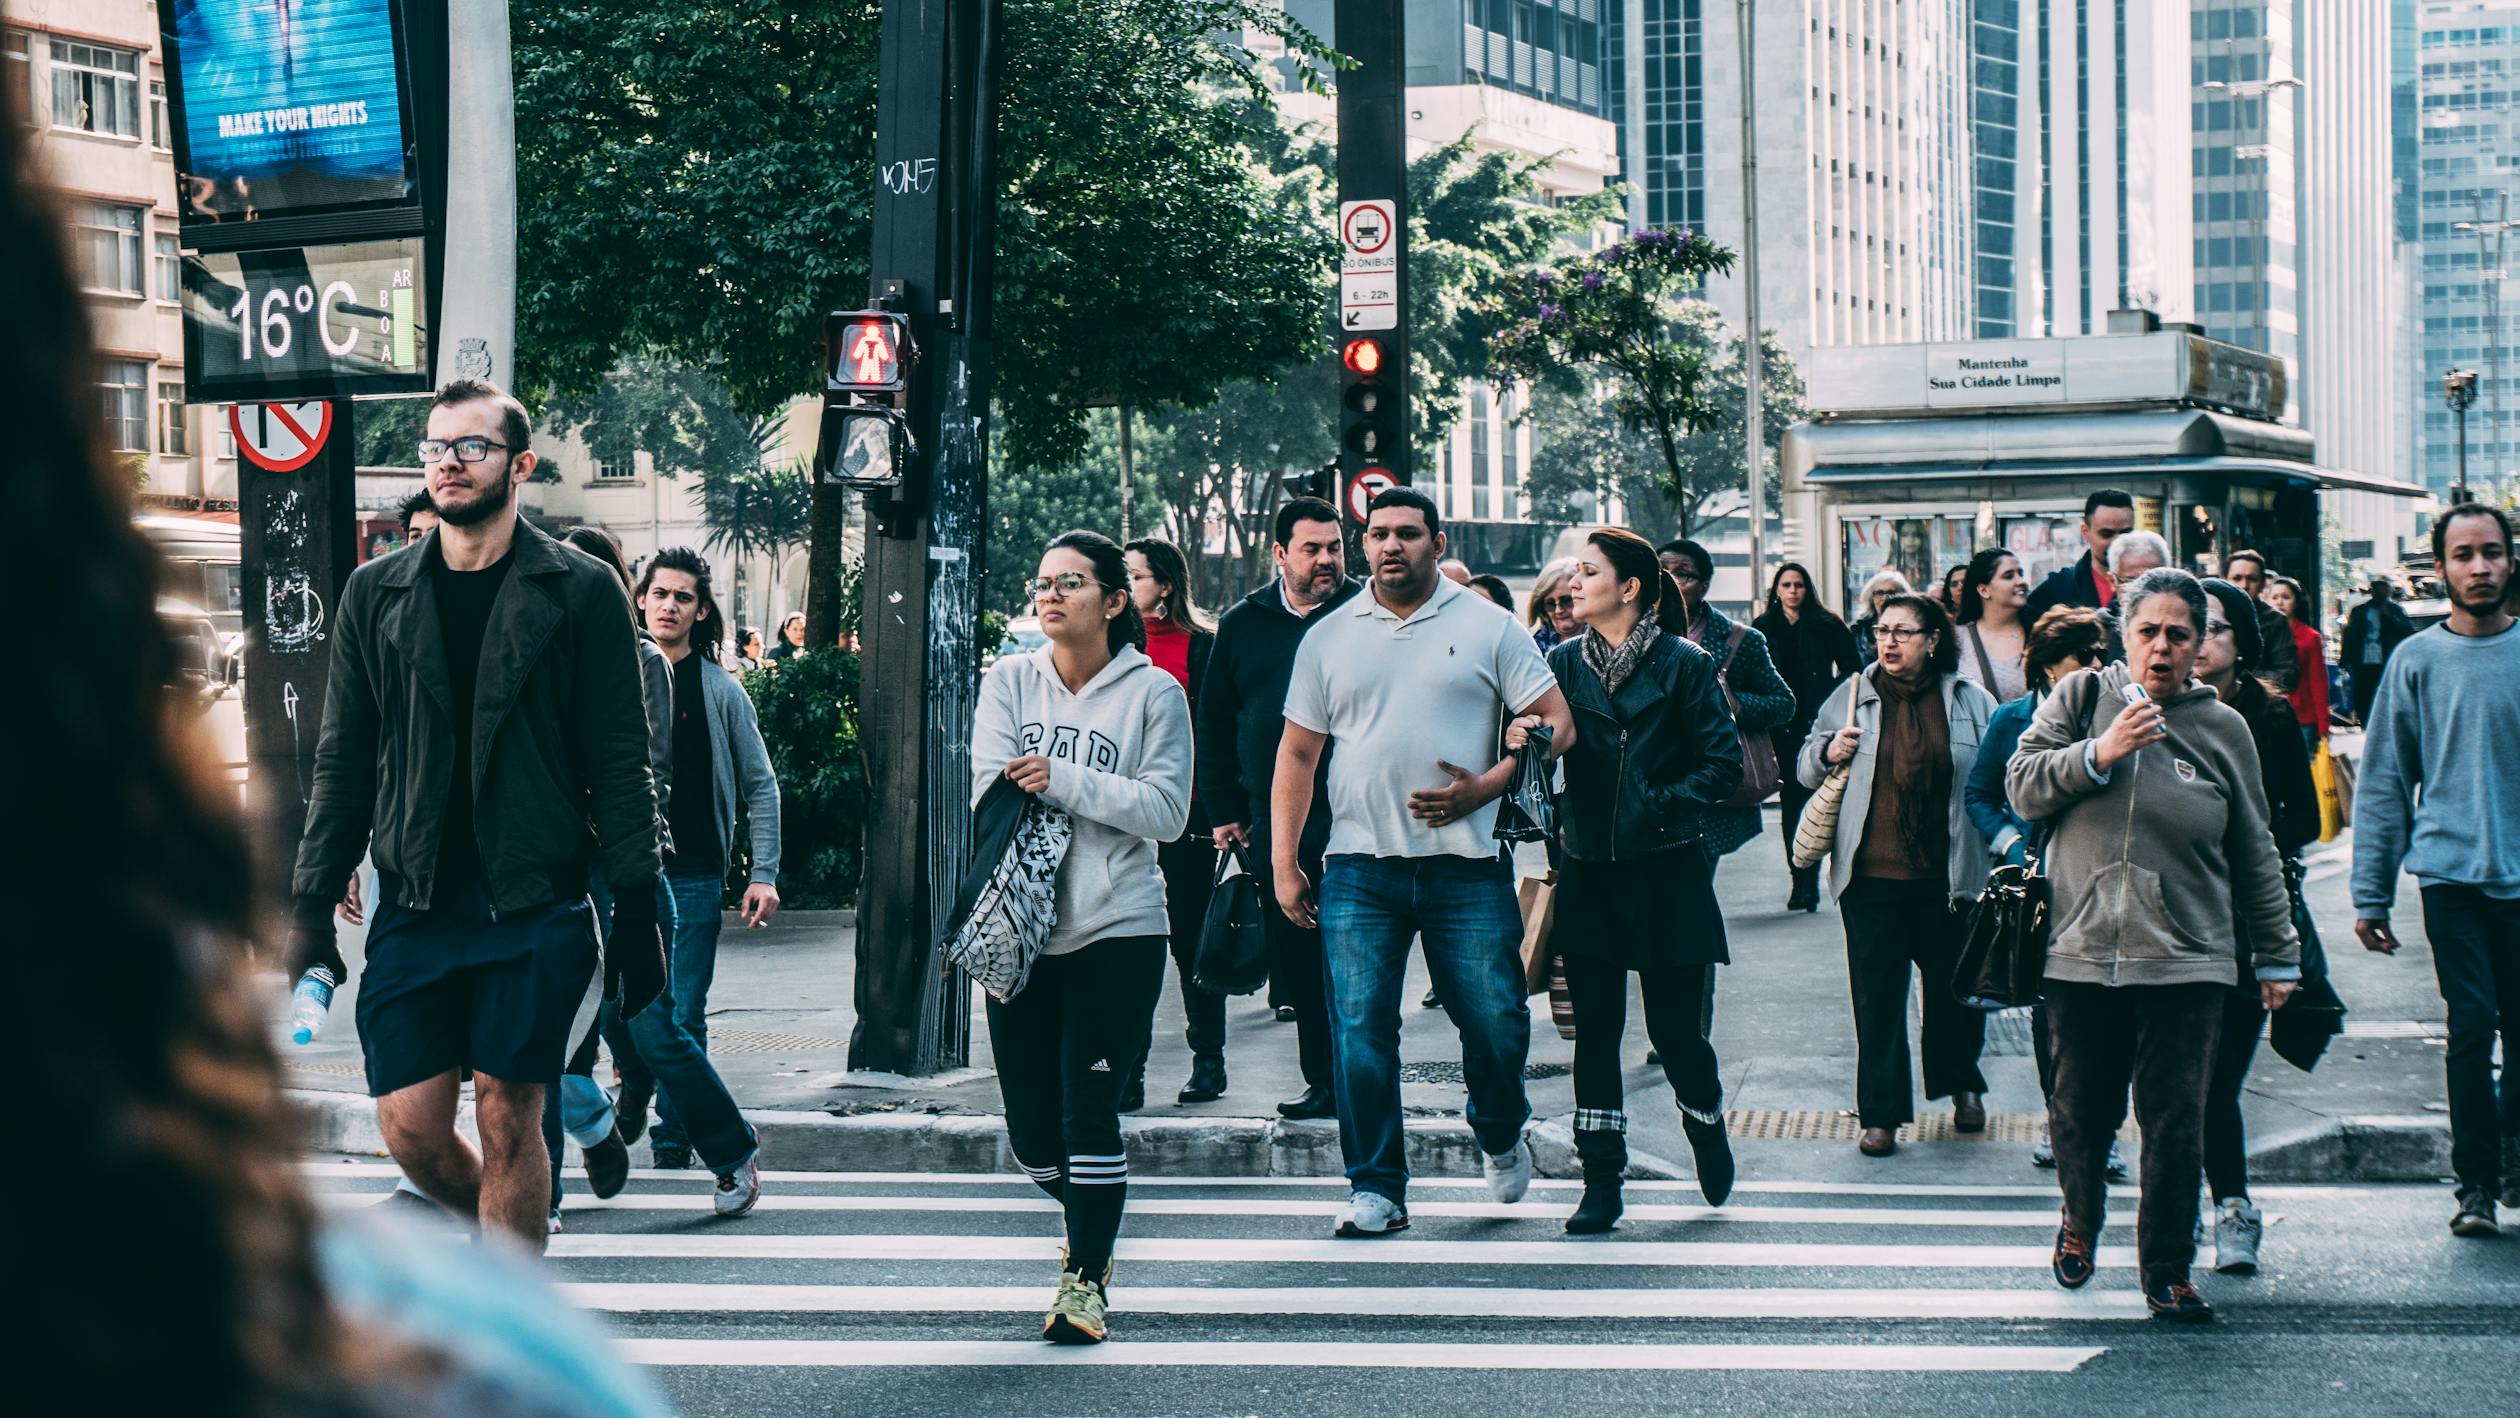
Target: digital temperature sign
<point>312,323</point>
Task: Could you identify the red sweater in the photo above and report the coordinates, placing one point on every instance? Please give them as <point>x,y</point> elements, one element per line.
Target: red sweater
<point>1168,645</point>
<point>2310,697</point>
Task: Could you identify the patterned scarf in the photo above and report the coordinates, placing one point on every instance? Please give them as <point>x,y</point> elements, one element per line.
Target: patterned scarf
<point>1615,666</point>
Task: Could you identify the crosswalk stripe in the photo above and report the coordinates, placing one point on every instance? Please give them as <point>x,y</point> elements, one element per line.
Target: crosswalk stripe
<point>321,1170</point>
<point>1323,1208</point>
<point>754,1245</point>
<point>1381,1302</point>
<point>1830,1358</point>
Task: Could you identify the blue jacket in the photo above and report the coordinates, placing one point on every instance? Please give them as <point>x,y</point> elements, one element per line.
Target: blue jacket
<point>1989,809</point>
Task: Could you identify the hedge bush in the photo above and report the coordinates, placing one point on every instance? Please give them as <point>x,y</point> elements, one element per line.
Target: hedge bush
<point>808,707</point>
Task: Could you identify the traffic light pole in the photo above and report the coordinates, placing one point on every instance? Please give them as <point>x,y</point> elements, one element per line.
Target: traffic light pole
<point>935,230</point>
<point>1374,244</point>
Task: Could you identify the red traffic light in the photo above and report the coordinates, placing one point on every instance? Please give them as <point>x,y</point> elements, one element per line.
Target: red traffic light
<point>1363,358</point>
<point>867,351</point>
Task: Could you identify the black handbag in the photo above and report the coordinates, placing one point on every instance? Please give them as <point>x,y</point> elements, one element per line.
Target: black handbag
<point>2301,1030</point>
<point>1527,813</point>
<point>2004,959</point>
<point>1233,956</point>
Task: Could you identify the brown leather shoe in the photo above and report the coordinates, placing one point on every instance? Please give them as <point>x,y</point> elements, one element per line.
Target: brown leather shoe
<point>1968,1112</point>
<point>1878,1142</point>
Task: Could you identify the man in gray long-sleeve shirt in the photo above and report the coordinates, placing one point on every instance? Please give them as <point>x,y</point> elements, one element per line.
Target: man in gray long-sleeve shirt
<point>2447,708</point>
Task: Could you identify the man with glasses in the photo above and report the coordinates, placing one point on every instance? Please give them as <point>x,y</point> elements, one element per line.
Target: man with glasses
<point>2280,663</point>
<point>485,740</point>
<point>2107,515</point>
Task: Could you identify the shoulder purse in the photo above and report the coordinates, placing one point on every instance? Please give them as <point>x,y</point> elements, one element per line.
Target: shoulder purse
<point>2003,959</point>
<point>1816,832</point>
<point>1759,776</point>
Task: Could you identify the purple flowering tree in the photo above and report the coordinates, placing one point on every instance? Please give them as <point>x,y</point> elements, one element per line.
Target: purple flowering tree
<point>1614,317</point>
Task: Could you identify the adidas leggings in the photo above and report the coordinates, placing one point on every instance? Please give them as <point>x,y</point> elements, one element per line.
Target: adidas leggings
<point>1065,1046</point>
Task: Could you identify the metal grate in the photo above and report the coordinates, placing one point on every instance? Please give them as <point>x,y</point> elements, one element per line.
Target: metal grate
<point>1451,1072</point>
<point>1817,1125</point>
<point>333,1070</point>
<point>753,1041</point>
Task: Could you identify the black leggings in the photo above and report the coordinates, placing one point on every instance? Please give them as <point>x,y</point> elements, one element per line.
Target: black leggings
<point>1065,1044</point>
<point>2226,1140</point>
<point>1673,999</point>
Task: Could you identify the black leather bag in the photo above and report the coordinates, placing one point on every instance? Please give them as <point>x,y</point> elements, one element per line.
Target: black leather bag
<point>1233,957</point>
<point>2004,959</point>
<point>1527,813</point>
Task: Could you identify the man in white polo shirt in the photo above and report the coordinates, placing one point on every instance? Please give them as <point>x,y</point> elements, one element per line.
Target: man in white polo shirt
<point>1411,681</point>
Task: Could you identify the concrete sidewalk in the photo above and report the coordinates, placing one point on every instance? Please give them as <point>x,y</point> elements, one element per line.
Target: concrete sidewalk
<point>780,1018</point>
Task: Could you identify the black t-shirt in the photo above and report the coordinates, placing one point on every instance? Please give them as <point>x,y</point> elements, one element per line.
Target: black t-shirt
<point>464,599</point>
<point>692,811</point>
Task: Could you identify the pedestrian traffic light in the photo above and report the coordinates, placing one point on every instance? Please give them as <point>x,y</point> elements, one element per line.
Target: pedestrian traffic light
<point>866,441</point>
<point>1369,429</point>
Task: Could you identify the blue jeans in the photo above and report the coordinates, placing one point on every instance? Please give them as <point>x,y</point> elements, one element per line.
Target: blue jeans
<point>1464,908</point>
<point>691,967</point>
<point>657,1046</point>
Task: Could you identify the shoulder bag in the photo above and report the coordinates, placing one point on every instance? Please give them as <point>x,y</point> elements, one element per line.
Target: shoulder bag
<point>1759,776</point>
<point>1816,832</point>
<point>1014,897</point>
<point>1233,956</point>
<point>2003,959</point>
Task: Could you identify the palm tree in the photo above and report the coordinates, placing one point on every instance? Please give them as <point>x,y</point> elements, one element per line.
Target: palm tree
<point>762,508</point>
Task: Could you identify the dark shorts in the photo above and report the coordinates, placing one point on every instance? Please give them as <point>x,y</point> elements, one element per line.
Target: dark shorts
<point>451,988</point>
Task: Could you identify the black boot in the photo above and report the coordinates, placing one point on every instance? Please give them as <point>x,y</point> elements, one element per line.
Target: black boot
<point>1604,1155</point>
<point>1133,1092</point>
<point>1207,1080</point>
<point>1806,894</point>
<point>1712,1149</point>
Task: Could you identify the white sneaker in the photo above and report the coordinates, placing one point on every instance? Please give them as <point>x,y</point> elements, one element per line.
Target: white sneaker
<point>739,1189</point>
<point>2117,1162</point>
<point>2237,1231</point>
<point>1509,1173</point>
<point>1371,1214</point>
<point>2043,1156</point>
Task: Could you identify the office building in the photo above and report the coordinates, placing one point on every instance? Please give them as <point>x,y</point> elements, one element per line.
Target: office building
<point>93,86</point>
<point>2469,57</point>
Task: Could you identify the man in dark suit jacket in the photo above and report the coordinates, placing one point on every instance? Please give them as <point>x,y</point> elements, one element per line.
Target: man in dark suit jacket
<point>2106,515</point>
<point>2280,663</point>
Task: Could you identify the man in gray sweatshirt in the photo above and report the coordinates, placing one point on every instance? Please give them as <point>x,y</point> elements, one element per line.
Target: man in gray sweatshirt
<point>2448,708</point>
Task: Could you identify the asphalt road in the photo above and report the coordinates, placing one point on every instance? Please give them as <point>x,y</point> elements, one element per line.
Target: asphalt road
<point>1818,1289</point>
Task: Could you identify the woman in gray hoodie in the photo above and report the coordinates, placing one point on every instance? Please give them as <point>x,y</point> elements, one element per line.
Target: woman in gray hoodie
<point>2152,789</point>
<point>1090,725</point>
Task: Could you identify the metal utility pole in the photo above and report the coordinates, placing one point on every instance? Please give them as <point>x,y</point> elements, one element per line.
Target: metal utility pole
<point>1372,326</point>
<point>2493,275</point>
<point>1753,357</point>
<point>935,232</point>
<point>476,334</point>
<point>1128,472</point>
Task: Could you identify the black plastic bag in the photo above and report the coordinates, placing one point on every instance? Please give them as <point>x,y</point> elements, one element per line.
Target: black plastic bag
<point>1527,812</point>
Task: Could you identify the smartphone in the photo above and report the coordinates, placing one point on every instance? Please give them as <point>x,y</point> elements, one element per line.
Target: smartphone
<point>2135,693</point>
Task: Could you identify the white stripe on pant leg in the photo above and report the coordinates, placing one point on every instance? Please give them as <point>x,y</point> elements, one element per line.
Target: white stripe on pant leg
<point>1809,1358</point>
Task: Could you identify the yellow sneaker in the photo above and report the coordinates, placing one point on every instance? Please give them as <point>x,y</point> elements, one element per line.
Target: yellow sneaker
<point>1080,1314</point>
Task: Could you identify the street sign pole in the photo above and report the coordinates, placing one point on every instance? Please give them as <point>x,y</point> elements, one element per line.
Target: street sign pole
<point>1374,226</point>
<point>300,540</point>
<point>935,232</point>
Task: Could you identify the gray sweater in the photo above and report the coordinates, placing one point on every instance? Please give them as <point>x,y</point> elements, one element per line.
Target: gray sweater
<point>1119,756</point>
<point>2152,867</point>
<point>2446,717</point>
<point>1966,708</point>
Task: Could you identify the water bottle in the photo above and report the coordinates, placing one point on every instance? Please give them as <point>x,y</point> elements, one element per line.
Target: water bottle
<point>309,1004</point>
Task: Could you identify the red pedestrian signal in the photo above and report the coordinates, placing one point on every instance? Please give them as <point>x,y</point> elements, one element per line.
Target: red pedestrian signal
<point>867,352</point>
<point>1363,358</point>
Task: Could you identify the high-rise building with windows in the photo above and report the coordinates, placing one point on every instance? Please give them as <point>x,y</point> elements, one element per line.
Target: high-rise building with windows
<point>2078,114</point>
<point>87,81</point>
<point>2468,89</point>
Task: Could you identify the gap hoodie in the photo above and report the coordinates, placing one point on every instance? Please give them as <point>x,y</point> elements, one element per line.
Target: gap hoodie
<point>2152,869</point>
<point>1119,756</point>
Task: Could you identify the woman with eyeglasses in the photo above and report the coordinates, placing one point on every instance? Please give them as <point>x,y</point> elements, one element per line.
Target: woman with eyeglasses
<point>1993,636</point>
<point>2228,659</point>
<point>1814,653</point>
<point>1655,748</point>
<point>1904,861</point>
<point>1761,700</point>
<point>1884,584</point>
<point>1091,726</point>
<point>1551,610</point>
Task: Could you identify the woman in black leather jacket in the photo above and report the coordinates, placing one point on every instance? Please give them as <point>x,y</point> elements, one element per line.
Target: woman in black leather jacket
<point>1655,749</point>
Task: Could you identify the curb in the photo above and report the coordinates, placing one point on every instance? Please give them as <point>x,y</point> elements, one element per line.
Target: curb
<point>976,1142</point>
<point>2375,1148</point>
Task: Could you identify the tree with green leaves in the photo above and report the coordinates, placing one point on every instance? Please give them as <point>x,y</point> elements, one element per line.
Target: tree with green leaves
<point>695,185</point>
<point>1616,315</point>
<point>1583,453</point>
